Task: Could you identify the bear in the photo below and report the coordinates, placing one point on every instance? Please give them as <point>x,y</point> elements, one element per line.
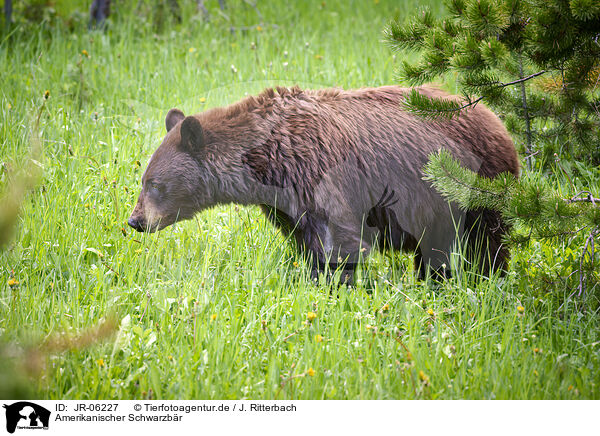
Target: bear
<point>339,171</point>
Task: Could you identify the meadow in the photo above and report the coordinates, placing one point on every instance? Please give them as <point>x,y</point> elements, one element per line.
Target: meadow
<point>222,307</point>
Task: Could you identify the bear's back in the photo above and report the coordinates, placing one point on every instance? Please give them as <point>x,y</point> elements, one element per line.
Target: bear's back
<point>314,131</point>
<point>477,129</point>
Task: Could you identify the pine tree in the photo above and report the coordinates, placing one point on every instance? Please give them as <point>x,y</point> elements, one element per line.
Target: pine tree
<point>537,64</point>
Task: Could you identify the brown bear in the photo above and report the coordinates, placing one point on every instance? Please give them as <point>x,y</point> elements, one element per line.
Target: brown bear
<point>339,170</point>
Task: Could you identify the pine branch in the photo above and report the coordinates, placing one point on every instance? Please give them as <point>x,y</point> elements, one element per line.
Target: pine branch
<point>462,185</point>
<point>439,107</point>
<point>433,107</point>
<point>587,199</point>
<point>529,199</point>
<point>411,35</point>
<point>514,82</point>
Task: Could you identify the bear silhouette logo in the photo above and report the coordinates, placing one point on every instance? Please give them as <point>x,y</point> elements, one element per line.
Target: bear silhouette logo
<point>26,415</point>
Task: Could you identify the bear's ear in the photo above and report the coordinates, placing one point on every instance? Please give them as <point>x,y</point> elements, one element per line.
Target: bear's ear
<point>192,135</point>
<point>173,117</point>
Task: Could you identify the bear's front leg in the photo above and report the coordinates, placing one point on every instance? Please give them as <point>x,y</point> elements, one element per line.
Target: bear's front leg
<point>346,274</point>
<point>330,244</point>
<point>314,240</point>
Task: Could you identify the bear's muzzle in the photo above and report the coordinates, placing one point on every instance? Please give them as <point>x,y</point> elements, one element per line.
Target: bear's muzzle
<point>137,224</point>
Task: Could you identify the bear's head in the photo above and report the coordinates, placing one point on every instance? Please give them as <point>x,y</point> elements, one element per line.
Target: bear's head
<point>172,185</point>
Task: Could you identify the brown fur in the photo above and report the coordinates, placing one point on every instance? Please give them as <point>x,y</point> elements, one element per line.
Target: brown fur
<point>340,170</point>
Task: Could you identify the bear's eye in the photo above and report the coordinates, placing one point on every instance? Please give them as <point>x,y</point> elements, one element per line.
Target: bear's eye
<point>155,187</point>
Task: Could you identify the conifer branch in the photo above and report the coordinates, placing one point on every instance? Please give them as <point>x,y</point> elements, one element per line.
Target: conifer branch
<point>460,184</point>
<point>433,107</point>
<point>589,198</point>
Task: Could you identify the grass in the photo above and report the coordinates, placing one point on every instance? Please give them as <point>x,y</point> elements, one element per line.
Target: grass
<point>221,306</point>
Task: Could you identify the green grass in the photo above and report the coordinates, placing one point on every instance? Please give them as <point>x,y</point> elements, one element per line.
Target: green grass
<point>217,307</point>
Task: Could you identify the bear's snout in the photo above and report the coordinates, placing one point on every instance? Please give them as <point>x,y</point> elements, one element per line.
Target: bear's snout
<point>136,224</point>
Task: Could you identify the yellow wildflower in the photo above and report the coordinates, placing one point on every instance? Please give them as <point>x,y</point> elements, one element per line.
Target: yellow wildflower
<point>520,309</point>
<point>202,100</point>
<point>85,53</point>
<point>213,317</point>
<point>192,50</point>
<point>319,338</point>
<point>310,372</point>
<point>385,307</point>
<point>259,28</point>
<point>46,94</point>
<point>13,282</point>
<point>318,57</point>
<point>423,377</point>
<point>100,363</point>
<point>430,312</point>
<point>311,316</point>
<point>295,264</point>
